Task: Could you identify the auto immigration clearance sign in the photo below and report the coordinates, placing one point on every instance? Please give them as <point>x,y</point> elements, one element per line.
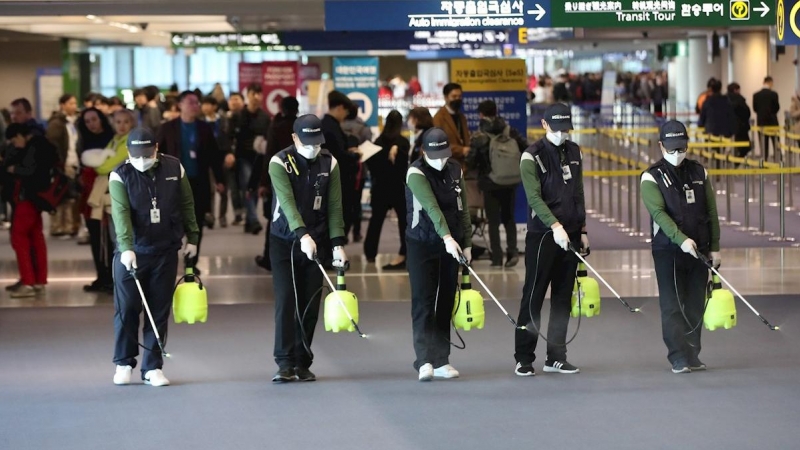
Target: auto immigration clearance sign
<point>662,13</point>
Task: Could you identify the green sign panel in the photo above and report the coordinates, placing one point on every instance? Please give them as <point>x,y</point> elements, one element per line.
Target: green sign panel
<point>662,13</point>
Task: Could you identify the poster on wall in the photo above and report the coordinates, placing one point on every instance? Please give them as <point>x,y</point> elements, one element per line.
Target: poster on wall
<point>308,72</point>
<point>505,82</point>
<point>358,79</point>
<point>279,80</point>
<point>248,73</point>
<point>49,87</point>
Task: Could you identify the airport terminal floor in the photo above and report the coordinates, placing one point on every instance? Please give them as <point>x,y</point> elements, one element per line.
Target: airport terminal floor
<point>56,365</point>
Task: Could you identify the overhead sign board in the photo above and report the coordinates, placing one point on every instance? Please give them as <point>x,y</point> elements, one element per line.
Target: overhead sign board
<point>508,14</point>
<point>358,79</point>
<point>378,15</point>
<point>787,28</point>
<point>454,39</point>
<point>663,13</point>
<point>255,41</point>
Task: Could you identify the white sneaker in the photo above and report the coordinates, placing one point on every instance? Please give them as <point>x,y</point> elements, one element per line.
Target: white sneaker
<point>446,371</point>
<point>155,378</point>
<point>122,376</point>
<point>426,372</point>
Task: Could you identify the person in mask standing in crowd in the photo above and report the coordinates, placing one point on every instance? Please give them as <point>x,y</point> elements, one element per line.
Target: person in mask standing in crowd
<point>279,137</point>
<point>419,120</point>
<point>357,132</point>
<point>495,152</point>
<point>336,143</point>
<point>454,122</point>
<point>219,124</point>
<point>234,116</point>
<point>438,239</point>
<point>153,208</point>
<point>307,226</point>
<point>681,200</point>
<point>252,122</point>
<point>552,174</point>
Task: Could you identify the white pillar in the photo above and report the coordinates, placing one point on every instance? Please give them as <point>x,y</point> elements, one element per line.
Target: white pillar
<point>678,73</point>
<point>699,68</point>
<point>748,62</point>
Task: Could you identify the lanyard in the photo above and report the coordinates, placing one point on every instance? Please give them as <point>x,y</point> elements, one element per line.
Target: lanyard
<point>153,192</point>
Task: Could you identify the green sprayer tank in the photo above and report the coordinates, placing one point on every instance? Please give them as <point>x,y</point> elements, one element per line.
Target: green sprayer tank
<point>721,309</point>
<point>468,312</point>
<point>589,292</point>
<point>335,317</point>
<point>190,301</point>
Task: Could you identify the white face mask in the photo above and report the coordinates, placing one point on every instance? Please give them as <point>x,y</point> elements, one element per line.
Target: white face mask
<point>556,137</point>
<point>675,159</point>
<point>307,151</point>
<point>437,164</point>
<point>143,164</point>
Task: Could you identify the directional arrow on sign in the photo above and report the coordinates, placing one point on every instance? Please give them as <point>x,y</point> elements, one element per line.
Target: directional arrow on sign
<point>539,11</point>
<point>764,9</point>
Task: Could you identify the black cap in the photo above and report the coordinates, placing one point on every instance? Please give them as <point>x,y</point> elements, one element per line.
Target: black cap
<point>673,135</point>
<point>308,129</point>
<point>141,142</point>
<point>559,117</point>
<point>435,144</point>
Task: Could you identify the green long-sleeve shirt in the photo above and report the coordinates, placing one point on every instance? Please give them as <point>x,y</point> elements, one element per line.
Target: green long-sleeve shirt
<point>421,188</point>
<point>533,190</point>
<point>654,202</point>
<point>121,211</point>
<point>282,187</point>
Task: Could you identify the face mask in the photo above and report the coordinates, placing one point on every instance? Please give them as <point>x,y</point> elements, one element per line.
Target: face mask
<point>308,151</point>
<point>556,137</point>
<point>675,159</point>
<point>143,164</point>
<point>455,105</point>
<point>437,164</point>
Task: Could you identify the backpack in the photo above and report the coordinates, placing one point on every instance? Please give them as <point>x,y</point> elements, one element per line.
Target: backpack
<point>504,157</point>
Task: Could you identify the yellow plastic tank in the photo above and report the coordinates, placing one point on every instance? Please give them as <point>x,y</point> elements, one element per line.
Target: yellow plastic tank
<point>336,318</point>
<point>190,300</point>
<point>589,292</point>
<point>721,308</point>
<point>468,312</point>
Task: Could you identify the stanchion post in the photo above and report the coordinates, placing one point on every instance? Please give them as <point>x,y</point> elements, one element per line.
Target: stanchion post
<point>761,204</point>
<point>782,201</point>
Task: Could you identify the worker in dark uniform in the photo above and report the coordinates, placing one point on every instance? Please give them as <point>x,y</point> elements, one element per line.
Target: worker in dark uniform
<point>680,198</point>
<point>306,222</point>
<point>552,174</point>
<point>438,237</point>
<point>153,208</point>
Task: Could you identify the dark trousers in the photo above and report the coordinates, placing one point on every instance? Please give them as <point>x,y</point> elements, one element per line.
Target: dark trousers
<point>268,227</point>
<point>102,249</point>
<point>681,281</point>
<point>433,274</point>
<point>199,214</point>
<point>289,350</point>
<point>232,189</point>
<point>244,170</point>
<point>548,265</point>
<point>499,205</point>
<point>349,201</point>
<point>381,204</point>
<point>157,275</point>
<point>357,209</point>
<point>765,140</point>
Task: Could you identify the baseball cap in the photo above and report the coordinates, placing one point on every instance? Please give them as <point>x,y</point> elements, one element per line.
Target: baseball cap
<point>435,144</point>
<point>141,142</point>
<point>673,135</point>
<point>559,117</point>
<point>308,129</point>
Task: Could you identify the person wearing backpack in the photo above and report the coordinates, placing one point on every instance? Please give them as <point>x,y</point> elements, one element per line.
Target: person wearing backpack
<point>495,152</point>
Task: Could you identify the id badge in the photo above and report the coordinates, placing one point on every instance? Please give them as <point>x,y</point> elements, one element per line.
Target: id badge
<point>460,205</point>
<point>689,196</point>
<point>192,154</point>
<point>155,215</point>
<point>317,202</point>
<point>566,172</point>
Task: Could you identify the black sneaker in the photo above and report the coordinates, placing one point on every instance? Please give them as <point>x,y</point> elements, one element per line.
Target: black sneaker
<point>513,260</point>
<point>209,221</point>
<point>13,287</point>
<point>284,376</point>
<point>304,374</point>
<point>237,220</point>
<point>264,263</point>
<point>559,367</point>
<point>680,367</point>
<point>696,364</point>
<point>223,222</point>
<point>524,370</point>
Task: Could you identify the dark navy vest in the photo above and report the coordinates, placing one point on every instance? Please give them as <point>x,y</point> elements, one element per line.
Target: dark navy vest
<point>444,184</point>
<point>692,218</point>
<point>312,181</point>
<point>562,197</point>
<point>162,182</point>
